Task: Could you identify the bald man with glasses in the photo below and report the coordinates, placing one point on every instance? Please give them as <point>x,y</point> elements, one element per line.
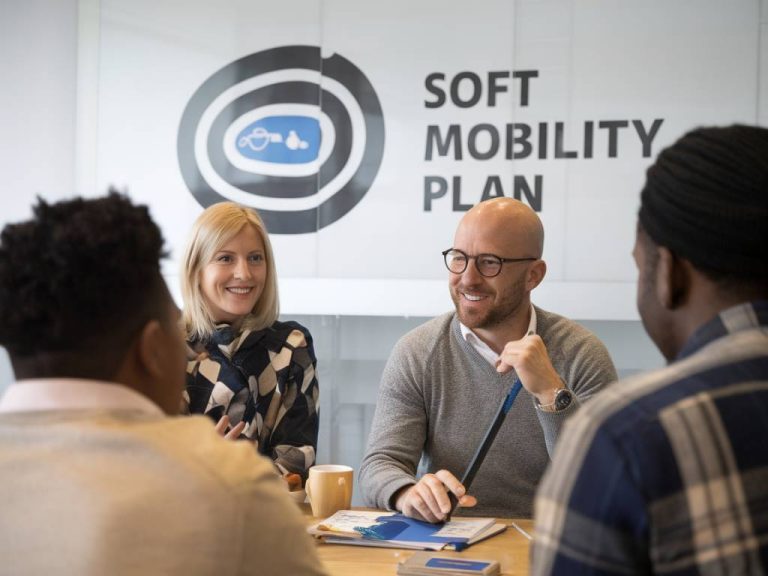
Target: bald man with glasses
<point>445,380</point>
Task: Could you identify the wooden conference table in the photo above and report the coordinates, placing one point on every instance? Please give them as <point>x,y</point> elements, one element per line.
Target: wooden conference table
<point>510,549</point>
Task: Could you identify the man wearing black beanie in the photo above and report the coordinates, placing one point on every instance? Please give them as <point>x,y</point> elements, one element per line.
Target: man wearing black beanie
<point>667,472</point>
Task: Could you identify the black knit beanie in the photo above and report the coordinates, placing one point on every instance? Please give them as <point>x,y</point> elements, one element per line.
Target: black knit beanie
<point>706,199</point>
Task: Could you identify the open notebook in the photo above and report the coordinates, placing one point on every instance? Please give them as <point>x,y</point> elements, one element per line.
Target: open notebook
<point>393,530</point>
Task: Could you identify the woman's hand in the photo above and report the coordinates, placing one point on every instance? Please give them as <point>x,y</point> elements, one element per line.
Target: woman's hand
<point>234,433</point>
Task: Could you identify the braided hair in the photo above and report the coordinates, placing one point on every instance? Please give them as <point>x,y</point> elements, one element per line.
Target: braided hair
<point>706,199</point>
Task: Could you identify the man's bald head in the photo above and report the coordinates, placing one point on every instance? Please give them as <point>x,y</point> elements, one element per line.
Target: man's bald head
<point>513,223</point>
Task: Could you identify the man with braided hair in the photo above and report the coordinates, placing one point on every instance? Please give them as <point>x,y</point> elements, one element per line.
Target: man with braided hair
<point>667,472</point>
<point>96,477</point>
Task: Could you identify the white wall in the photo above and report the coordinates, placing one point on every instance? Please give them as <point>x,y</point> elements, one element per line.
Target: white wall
<point>38,68</point>
<point>6,372</point>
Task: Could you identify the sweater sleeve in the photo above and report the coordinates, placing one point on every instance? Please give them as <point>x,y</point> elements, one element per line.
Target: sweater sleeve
<point>269,529</point>
<point>585,366</point>
<point>399,429</point>
<point>293,441</point>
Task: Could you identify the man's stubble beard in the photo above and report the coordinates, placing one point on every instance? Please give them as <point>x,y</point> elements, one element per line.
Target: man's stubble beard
<point>498,314</point>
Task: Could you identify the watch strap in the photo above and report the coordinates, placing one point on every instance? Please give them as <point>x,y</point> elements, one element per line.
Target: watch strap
<point>563,399</point>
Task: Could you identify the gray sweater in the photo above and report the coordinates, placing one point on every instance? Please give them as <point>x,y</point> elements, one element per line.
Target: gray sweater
<point>438,396</point>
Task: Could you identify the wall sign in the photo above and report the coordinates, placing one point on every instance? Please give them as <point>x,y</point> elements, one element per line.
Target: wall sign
<point>297,136</point>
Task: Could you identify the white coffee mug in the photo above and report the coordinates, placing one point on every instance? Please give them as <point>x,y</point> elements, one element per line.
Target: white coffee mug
<point>329,489</point>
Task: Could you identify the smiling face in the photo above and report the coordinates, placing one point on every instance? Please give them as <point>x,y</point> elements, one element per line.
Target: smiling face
<point>507,230</point>
<point>233,280</point>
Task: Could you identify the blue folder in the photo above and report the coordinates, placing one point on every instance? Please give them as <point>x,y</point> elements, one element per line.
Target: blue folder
<point>399,528</point>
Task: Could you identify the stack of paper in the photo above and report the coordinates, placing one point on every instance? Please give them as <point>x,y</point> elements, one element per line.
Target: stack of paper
<point>393,530</point>
<point>427,564</point>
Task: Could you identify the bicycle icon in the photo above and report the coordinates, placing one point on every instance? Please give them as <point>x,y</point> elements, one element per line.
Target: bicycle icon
<point>259,138</point>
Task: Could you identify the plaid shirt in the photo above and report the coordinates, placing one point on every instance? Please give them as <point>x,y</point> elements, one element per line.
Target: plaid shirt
<point>667,472</point>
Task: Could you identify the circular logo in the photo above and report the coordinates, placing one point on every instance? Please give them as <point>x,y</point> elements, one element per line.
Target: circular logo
<point>294,135</point>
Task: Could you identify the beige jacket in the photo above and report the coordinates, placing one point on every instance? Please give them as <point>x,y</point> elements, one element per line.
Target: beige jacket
<point>90,492</point>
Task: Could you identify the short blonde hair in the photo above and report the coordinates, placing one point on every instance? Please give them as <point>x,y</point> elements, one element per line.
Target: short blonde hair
<point>216,226</point>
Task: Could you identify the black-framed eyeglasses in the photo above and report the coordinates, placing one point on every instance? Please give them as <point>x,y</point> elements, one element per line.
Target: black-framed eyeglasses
<point>489,265</point>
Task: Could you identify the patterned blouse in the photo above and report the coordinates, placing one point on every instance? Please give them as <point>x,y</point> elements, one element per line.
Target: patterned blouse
<point>266,378</point>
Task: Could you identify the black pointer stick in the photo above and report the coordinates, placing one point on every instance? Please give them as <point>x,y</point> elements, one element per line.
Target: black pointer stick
<point>485,445</point>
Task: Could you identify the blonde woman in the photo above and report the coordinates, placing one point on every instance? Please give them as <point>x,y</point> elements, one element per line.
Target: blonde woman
<point>246,368</point>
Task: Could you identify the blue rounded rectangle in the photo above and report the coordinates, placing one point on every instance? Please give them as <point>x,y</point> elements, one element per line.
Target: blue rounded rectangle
<point>281,140</point>
<point>457,564</point>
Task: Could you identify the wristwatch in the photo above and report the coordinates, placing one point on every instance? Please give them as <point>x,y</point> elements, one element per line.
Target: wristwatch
<point>563,398</point>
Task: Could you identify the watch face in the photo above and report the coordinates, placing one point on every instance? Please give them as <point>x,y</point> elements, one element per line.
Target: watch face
<point>563,399</point>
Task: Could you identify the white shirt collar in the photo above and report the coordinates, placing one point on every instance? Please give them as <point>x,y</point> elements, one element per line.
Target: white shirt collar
<point>48,394</point>
<point>483,349</point>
